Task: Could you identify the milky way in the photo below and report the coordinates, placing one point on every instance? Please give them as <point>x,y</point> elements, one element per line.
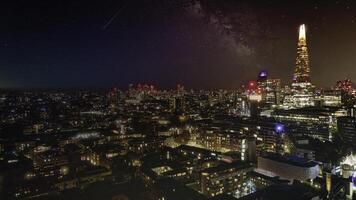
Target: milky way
<point>199,43</point>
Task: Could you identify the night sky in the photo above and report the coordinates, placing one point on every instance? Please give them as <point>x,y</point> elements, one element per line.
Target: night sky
<point>201,44</point>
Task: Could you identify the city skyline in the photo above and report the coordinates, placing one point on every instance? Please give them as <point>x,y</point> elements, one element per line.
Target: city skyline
<point>178,100</point>
<point>114,46</point>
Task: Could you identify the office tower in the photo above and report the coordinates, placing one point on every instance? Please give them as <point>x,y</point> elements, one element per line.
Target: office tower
<point>347,128</point>
<point>347,91</point>
<point>178,104</point>
<point>302,88</point>
<point>262,83</point>
<point>273,91</point>
<point>302,66</point>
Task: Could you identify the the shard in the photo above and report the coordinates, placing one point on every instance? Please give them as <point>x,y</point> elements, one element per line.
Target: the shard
<point>302,89</point>
<point>302,65</point>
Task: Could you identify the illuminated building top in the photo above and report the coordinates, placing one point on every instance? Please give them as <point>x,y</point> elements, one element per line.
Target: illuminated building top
<point>302,35</point>
<point>349,160</point>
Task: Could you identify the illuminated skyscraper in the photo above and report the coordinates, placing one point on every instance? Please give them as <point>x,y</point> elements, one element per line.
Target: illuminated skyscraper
<point>273,91</point>
<point>302,88</point>
<point>302,66</point>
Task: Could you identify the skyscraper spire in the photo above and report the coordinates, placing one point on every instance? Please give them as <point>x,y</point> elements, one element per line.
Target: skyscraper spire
<point>302,88</point>
<point>302,35</point>
<point>302,68</point>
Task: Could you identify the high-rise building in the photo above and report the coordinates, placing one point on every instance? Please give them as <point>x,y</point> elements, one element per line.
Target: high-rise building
<point>262,82</point>
<point>331,98</point>
<point>347,91</point>
<point>178,104</point>
<point>273,91</point>
<point>253,92</point>
<point>344,85</point>
<point>302,88</point>
<point>113,98</point>
<point>302,66</point>
<point>347,128</point>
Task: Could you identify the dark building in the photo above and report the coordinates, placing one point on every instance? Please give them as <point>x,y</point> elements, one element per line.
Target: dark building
<point>347,128</point>
<point>273,192</point>
<point>178,104</point>
<point>255,109</point>
<point>174,190</point>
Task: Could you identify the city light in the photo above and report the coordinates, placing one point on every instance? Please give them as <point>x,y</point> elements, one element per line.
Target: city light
<point>176,100</point>
<point>279,128</point>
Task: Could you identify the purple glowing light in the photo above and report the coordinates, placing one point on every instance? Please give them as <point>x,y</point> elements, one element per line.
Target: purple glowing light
<point>353,179</point>
<point>279,128</point>
<point>263,74</point>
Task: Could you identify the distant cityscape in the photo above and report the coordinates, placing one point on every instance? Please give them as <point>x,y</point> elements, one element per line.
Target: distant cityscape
<point>263,140</point>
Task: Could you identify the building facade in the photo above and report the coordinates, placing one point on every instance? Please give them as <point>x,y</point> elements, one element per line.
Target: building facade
<point>302,89</point>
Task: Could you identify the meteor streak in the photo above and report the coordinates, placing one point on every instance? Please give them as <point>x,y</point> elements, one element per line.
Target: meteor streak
<point>113,17</point>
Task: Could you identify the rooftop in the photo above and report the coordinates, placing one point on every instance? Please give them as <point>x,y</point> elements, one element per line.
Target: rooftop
<point>291,160</point>
<point>226,166</point>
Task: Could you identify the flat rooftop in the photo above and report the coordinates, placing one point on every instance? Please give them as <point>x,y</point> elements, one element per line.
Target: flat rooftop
<point>291,160</point>
<point>226,166</point>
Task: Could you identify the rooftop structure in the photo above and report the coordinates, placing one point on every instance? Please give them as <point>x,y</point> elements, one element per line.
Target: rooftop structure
<point>288,167</point>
